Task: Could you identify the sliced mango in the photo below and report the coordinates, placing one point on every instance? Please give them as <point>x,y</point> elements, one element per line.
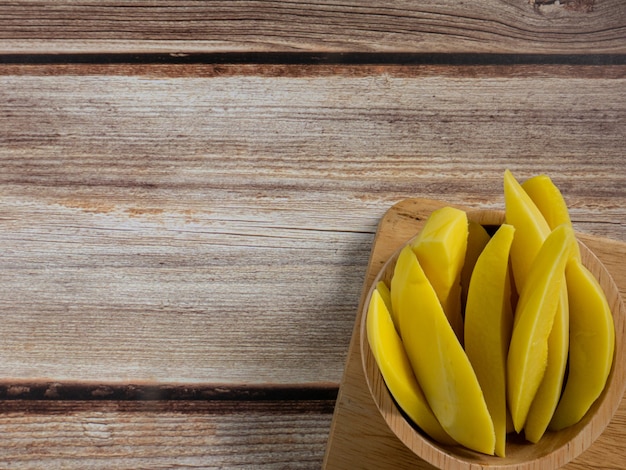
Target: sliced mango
<point>534,317</point>
<point>550,202</point>
<point>551,386</point>
<point>440,248</point>
<point>396,370</point>
<point>398,292</point>
<point>440,364</point>
<point>592,342</point>
<point>477,238</point>
<point>488,324</point>
<point>552,206</point>
<point>385,293</point>
<point>548,199</point>
<point>479,394</point>
<point>531,229</point>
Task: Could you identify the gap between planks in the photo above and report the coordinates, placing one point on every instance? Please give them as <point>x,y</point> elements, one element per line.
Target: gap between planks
<point>318,58</point>
<point>91,391</point>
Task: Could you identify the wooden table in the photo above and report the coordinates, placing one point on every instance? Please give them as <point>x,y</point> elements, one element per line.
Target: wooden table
<point>190,191</point>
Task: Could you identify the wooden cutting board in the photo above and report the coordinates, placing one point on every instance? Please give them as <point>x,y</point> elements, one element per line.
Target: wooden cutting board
<point>359,437</point>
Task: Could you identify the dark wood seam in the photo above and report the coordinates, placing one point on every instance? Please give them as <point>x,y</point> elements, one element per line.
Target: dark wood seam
<point>313,58</point>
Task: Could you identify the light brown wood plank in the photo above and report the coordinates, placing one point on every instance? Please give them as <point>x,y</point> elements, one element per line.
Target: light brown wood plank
<point>431,26</point>
<point>216,229</point>
<point>68,435</point>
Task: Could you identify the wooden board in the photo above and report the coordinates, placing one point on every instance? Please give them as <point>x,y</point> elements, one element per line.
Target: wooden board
<point>359,437</point>
<point>320,26</point>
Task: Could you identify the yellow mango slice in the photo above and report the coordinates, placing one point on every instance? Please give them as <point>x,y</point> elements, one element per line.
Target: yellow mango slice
<point>385,293</point>
<point>592,342</point>
<point>531,229</point>
<point>534,317</point>
<point>477,238</point>
<point>488,324</point>
<point>399,298</point>
<point>548,199</point>
<point>440,248</point>
<point>549,391</point>
<point>550,202</point>
<point>396,370</point>
<point>440,364</point>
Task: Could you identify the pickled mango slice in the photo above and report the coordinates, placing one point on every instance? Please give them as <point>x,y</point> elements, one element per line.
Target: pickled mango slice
<point>532,231</point>
<point>530,225</point>
<point>488,324</point>
<point>551,386</point>
<point>401,300</point>
<point>550,202</point>
<point>592,342</point>
<point>589,312</point>
<point>385,293</point>
<point>534,317</point>
<point>441,366</point>
<point>440,248</point>
<point>396,370</point>
<point>477,238</point>
<point>548,199</point>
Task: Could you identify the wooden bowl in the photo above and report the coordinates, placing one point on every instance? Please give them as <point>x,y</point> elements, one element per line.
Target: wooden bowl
<point>555,449</point>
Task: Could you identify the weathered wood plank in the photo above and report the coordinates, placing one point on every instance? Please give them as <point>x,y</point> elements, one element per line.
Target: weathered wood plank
<point>68,435</point>
<point>431,26</point>
<point>216,229</point>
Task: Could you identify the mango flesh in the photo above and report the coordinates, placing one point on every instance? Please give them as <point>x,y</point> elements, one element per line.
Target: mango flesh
<point>477,238</point>
<point>530,226</point>
<point>550,202</point>
<point>440,248</point>
<point>591,335</point>
<point>548,199</point>
<point>539,344</point>
<point>400,295</point>
<point>552,206</point>
<point>592,343</point>
<point>549,392</point>
<point>488,324</point>
<point>396,370</point>
<point>534,317</point>
<point>385,294</point>
<point>441,366</point>
<point>533,230</point>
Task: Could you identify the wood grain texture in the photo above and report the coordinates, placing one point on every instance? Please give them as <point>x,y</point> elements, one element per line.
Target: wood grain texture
<point>360,438</point>
<point>216,229</point>
<point>103,435</point>
<point>432,26</point>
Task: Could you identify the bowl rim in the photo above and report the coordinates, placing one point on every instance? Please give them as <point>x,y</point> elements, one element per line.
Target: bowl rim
<point>579,436</point>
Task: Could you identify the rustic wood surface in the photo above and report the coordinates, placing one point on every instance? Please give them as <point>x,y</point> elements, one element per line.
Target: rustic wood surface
<point>150,224</point>
<point>190,191</point>
<point>361,438</point>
